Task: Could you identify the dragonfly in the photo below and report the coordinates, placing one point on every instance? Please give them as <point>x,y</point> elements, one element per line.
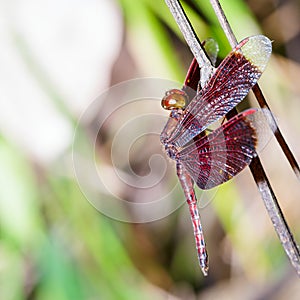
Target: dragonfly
<point>210,159</point>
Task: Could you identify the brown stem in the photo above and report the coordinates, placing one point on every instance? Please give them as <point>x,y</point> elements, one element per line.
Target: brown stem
<point>258,173</point>
<point>256,168</point>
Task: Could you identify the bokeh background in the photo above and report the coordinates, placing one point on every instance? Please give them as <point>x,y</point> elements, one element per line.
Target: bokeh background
<point>55,58</point>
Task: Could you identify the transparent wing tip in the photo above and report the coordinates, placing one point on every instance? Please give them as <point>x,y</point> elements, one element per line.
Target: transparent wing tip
<point>270,119</point>
<point>212,49</point>
<point>263,122</point>
<point>257,49</point>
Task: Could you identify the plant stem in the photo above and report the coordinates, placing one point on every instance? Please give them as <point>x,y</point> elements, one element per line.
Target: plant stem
<point>263,184</point>
<point>191,39</point>
<point>256,168</point>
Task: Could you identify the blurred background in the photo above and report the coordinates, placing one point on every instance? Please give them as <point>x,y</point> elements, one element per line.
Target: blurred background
<point>57,57</point>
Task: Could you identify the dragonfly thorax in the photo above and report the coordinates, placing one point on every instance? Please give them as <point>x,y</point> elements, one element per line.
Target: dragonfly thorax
<point>174,99</point>
<point>171,150</point>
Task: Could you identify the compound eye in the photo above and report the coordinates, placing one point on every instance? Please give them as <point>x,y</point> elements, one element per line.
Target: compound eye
<point>174,99</point>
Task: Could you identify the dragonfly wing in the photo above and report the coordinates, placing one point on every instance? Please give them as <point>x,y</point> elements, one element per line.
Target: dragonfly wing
<point>192,78</point>
<point>215,158</point>
<point>212,49</point>
<point>230,83</point>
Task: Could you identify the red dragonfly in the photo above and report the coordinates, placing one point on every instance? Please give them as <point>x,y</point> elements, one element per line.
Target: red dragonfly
<point>212,159</point>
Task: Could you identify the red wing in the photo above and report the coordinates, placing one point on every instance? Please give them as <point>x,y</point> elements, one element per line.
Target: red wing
<point>192,78</point>
<point>217,157</point>
<point>230,83</point>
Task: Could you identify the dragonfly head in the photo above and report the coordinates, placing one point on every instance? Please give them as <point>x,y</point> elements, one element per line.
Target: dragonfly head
<point>174,99</point>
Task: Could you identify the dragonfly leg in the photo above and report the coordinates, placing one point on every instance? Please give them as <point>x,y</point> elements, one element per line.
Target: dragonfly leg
<point>187,184</point>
